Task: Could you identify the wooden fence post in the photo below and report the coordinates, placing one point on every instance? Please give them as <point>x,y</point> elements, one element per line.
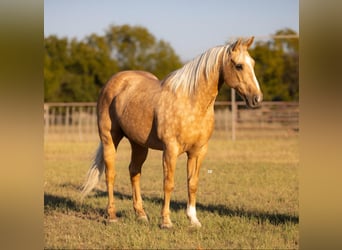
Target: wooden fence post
<point>234,109</point>
<point>46,118</point>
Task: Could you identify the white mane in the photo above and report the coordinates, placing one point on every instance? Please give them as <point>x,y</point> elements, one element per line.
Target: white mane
<point>187,77</point>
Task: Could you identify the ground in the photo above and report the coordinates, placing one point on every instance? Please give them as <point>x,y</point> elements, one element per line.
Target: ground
<point>247,198</point>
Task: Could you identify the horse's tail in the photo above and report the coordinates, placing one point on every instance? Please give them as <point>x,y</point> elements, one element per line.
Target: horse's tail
<point>95,172</point>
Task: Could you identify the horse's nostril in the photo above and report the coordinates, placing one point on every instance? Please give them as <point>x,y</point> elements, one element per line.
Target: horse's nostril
<point>256,99</point>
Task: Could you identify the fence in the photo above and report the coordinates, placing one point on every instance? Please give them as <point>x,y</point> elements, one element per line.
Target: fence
<point>77,121</point>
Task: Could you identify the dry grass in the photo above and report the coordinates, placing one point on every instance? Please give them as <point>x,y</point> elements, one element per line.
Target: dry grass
<point>247,198</point>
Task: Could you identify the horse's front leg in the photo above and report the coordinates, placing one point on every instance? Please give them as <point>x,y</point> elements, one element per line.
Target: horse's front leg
<point>169,165</point>
<point>195,159</point>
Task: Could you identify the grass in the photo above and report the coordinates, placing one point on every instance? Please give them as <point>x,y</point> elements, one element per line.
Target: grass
<point>247,198</point>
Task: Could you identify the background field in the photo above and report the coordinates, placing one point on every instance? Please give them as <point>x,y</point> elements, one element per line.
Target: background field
<point>247,198</point>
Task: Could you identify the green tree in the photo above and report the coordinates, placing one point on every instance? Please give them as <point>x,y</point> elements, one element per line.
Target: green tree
<point>290,48</point>
<point>55,60</point>
<point>105,65</point>
<point>163,60</point>
<point>76,70</point>
<point>133,47</point>
<point>88,70</point>
<point>269,69</point>
<point>277,66</point>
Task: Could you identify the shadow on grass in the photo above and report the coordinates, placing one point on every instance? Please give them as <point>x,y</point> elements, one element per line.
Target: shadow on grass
<point>67,205</point>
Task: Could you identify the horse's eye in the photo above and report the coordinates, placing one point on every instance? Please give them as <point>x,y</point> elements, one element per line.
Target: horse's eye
<point>239,66</point>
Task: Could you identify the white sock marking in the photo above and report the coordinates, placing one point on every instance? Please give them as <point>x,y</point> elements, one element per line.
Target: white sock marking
<point>191,212</point>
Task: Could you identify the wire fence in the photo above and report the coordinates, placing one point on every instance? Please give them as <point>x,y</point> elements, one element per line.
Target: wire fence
<point>77,121</point>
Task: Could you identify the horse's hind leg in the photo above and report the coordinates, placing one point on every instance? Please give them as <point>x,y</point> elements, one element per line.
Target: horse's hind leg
<point>138,157</point>
<point>110,141</point>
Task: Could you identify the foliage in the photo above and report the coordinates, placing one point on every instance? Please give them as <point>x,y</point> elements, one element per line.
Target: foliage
<point>76,70</point>
<point>277,67</point>
<point>136,49</point>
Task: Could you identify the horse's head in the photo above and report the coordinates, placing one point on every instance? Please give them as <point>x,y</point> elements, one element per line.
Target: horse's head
<point>238,70</point>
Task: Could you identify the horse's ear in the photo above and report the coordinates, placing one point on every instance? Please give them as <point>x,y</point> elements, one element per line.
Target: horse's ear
<point>236,45</point>
<point>249,42</point>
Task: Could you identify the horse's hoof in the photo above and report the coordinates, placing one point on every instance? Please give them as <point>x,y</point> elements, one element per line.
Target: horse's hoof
<point>113,220</point>
<point>142,219</point>
<point>166,226</point>
<point>196,224</point>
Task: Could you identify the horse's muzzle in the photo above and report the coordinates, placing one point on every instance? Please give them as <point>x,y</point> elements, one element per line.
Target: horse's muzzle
<point>254,101</point>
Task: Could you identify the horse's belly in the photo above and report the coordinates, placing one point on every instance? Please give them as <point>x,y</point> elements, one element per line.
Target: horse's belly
<point>138,124</point>
<point>143,134</point>
<point>134,108</point>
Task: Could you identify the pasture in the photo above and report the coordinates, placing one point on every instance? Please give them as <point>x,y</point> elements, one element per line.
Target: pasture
<point>247,198</point>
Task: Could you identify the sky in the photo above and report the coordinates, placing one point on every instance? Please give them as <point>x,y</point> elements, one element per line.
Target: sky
<point>190,26</point>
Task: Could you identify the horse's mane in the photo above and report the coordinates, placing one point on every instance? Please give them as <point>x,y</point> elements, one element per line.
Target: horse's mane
<point>186,78</point>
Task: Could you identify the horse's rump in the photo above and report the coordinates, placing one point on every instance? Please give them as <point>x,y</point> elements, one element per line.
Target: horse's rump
<point>130,98</point>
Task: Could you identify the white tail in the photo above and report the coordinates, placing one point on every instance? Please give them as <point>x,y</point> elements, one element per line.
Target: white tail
<point>95,172</point>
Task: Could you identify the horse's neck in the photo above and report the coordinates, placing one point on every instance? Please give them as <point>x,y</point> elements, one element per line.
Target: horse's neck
<point>208,88</point>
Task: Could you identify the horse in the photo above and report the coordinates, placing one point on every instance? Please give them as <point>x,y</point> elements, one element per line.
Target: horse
<point>174,115</point>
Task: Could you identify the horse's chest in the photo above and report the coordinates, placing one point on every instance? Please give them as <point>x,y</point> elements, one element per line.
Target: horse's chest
<point>187,126</point>
<point>198,122</point>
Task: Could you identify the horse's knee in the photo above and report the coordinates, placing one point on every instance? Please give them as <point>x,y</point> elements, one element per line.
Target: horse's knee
<point>193,189</point>
<point>169,186</point>
<point>192,186</point>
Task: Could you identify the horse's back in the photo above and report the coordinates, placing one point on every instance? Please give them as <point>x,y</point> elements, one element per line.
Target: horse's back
<point>124,79</point>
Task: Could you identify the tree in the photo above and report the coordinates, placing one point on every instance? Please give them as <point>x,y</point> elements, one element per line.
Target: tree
<point>133,47</point>
<point>76,70</point>
<point>105,66</point>
<point>55,59</point>
<point>290,48</point>
<point>163,60</point>
<point>269,69</point>
<point>277,66</point>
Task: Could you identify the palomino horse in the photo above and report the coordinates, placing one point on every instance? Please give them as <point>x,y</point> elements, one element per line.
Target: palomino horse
<point>175,115</point>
